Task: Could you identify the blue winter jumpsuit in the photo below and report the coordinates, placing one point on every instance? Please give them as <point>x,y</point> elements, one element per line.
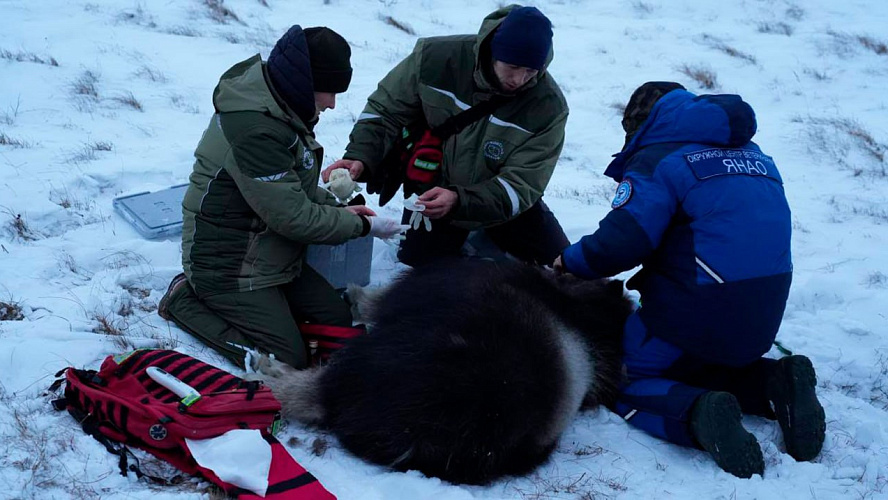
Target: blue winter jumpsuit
<point>702,209</point>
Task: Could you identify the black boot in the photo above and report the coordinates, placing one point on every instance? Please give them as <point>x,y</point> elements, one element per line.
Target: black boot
<point>163,306</point>
<point>715,423</point>
<point>801,417</point>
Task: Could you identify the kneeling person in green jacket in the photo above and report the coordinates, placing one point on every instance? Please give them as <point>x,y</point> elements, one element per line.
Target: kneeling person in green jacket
<point>492,173</point>
<point>253,205</point>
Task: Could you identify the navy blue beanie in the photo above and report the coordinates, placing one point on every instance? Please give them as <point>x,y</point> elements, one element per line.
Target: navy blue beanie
<point>524,38</point>
<point>289,69</point>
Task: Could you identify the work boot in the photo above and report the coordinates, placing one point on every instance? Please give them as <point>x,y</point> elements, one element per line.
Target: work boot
<point>175,285</point>
<point>801,417</point>
<point>715,423</point>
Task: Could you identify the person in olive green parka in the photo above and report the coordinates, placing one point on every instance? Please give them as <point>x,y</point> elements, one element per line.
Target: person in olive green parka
<point>494,172</point>
<point>253,205</point>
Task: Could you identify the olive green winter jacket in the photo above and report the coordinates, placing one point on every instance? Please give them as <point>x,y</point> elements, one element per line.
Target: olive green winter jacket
<point>499,165</point>
<point>253,201</point>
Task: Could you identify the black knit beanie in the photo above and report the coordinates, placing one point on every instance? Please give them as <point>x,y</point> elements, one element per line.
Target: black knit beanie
<point>329,54</point>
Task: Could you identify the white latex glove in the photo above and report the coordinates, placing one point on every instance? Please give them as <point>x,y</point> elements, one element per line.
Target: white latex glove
<point>416,218</point>
<point>341,185</point>
<point>385,229</point>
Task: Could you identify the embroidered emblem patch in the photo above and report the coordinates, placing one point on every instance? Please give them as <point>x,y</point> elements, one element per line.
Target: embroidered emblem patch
<point>308,159</point>
<point>157,432</point>
<point>624,192</point>
<point>494,150</point>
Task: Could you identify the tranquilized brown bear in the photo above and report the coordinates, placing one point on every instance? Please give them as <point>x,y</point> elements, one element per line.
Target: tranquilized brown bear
<point>471,370</point>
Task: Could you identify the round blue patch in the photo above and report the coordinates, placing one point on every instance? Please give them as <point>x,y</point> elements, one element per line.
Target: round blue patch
<point>494,150</point>
<point>624,192</point>
<point>308,159</point>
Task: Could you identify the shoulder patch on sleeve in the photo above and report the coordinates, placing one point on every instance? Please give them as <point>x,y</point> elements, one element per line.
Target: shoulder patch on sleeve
<point>624,192</point>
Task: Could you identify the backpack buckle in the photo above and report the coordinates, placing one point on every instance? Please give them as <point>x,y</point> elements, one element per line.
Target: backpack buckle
<point>251,386</point>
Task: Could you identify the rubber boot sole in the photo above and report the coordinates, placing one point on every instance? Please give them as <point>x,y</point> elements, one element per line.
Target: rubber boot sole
<point>801,417</point>
<point>716,424</point>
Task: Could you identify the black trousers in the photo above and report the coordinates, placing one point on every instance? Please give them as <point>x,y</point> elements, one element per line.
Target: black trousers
<point>535,236</point>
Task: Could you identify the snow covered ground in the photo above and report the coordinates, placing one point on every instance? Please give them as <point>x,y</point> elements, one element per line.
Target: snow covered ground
<point>104,98</point>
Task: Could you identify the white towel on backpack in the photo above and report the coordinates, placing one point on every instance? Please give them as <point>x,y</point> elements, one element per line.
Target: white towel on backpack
<point>240,457</point>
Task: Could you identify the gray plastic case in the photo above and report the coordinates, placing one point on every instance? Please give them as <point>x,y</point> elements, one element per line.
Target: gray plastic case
<point>153,214</point>
<point>343,264</point>
<point>159,213</point>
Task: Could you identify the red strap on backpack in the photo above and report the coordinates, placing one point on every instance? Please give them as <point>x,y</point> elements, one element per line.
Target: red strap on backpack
<point>287,480</point>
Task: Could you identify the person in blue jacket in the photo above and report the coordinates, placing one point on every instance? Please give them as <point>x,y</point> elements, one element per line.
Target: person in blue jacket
<point>702,209</point>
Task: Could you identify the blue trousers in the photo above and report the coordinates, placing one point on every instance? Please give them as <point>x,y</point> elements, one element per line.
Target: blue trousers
<point>664,383</point>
